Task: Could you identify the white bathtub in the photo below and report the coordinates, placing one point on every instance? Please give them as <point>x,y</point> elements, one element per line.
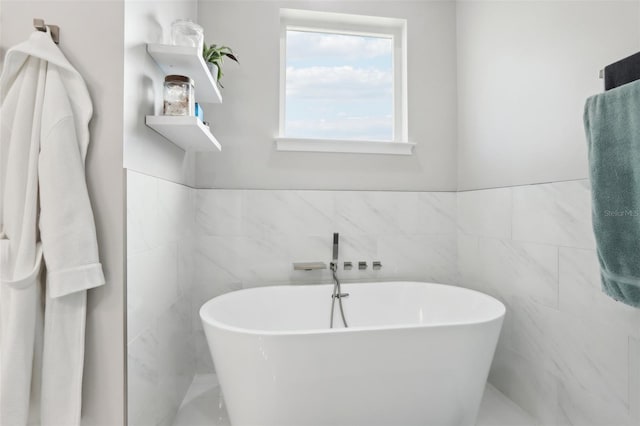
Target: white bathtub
<point>414,354</point>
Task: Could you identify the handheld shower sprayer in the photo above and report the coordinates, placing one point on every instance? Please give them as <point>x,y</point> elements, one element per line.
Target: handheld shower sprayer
<point>334,257</point>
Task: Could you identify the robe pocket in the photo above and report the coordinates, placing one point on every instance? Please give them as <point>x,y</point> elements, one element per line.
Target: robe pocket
<point>26,280</point>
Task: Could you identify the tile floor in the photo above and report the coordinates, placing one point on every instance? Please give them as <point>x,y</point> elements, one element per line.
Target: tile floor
<point>203,405</point>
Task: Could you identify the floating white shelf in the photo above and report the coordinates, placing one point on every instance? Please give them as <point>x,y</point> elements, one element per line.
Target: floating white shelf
<point>184,131</point>
<point>185,60</point>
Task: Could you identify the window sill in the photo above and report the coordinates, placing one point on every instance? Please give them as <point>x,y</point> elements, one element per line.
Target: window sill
<point>344,146</point>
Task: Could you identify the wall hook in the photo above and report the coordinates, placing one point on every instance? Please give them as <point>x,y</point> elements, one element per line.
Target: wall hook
<point>39,25</point>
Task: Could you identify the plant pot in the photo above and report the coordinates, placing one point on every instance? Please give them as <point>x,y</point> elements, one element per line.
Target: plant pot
<point>213,69</point>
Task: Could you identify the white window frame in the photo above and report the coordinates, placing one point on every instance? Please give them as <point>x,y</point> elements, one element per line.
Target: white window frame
<point>339,23</point>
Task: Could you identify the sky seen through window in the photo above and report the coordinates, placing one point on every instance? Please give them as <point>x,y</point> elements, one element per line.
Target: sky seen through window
<point>339,86</point>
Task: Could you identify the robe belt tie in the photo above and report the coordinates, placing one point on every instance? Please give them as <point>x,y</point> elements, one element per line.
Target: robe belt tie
<point>29,279</point>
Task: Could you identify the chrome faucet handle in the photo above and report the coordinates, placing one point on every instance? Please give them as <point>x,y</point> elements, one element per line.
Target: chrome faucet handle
<point>348,266</point>
<point>377,265</point>
<point>362,265</point>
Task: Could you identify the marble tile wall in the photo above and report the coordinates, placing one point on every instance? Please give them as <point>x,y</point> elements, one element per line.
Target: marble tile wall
<point>250,238</point>
<point>161,362</point>
<point>568,354</point>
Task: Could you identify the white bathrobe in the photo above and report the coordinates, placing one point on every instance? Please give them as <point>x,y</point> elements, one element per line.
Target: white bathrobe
<point>45,220</point>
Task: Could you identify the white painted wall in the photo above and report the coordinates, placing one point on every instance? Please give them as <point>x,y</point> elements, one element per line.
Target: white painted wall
<point>146,151</point>
<point>247,121</point>
<point>92,39</point>
<point>525,69</point>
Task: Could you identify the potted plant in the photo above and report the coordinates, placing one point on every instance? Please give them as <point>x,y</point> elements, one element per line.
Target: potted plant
<point>214,57</point>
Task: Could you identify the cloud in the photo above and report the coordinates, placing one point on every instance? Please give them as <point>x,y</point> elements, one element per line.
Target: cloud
<point>339,86</point>
<point>309,45</point>
<point>338,83</point>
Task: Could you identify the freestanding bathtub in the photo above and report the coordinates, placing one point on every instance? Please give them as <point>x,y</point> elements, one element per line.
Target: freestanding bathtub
<point>414,354</point>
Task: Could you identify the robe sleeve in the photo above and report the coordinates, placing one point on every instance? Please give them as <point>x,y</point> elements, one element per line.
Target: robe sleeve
<point>67,228</point>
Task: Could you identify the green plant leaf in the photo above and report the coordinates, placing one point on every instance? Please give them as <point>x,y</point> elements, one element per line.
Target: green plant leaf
<point>232,57</point>
<point>216,55</point>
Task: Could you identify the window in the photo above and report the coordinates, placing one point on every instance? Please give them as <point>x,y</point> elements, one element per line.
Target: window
<point>342,83</point>
<point>338,86</point>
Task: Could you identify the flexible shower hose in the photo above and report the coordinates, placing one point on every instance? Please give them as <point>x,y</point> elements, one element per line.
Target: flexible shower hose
<point>337,294</point>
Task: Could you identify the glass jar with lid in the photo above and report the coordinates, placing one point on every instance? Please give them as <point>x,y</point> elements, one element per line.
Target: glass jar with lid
<point>179,96</point>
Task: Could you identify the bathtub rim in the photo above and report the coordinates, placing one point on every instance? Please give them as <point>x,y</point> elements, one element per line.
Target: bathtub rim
<point>208,320</point>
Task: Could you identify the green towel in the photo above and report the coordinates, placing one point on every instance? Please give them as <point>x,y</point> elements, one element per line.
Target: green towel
<point>612,125</point>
